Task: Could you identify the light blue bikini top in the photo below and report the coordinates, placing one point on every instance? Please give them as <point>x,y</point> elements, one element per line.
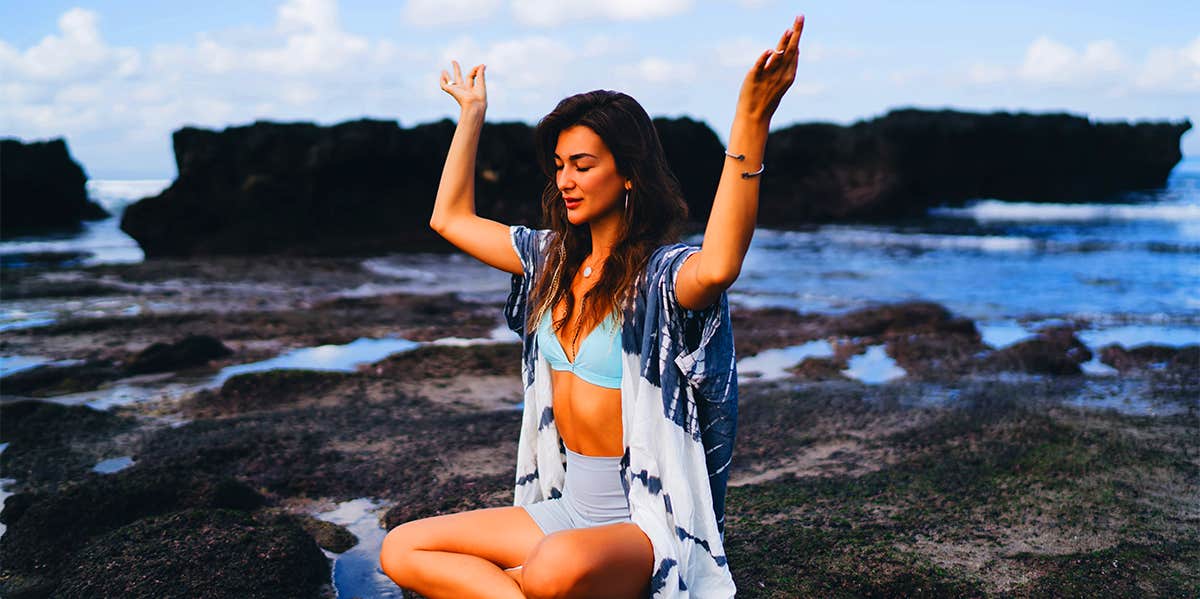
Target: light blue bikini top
<point>599,358</point>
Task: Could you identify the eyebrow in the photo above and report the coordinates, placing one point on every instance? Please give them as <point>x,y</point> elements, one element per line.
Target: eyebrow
<point>577,156</point>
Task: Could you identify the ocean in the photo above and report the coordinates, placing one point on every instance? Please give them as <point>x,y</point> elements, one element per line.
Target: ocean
<point>1129,269</point>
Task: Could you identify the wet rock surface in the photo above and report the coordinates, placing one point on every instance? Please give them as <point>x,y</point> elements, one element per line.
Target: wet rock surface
<point>972,475</point>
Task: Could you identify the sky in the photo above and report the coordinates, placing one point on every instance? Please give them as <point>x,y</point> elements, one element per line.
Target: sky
<point>117,78</point>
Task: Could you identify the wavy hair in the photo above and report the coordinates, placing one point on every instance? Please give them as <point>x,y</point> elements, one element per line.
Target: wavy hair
<point>655,215</point>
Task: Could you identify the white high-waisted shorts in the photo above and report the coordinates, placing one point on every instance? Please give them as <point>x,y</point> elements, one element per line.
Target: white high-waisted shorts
<point>592,495</point>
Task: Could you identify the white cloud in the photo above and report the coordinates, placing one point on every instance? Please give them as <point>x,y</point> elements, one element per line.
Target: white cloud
<point>659,71</point>
<point>1171,69</point>
<point>1050,62</point>
<point>77,51</point>
<point>549,13</point>
<point>523,70</point>
<point>1100,66</point>
<point>123,103</point>
<point>307,15</point>
<point>442,12</point>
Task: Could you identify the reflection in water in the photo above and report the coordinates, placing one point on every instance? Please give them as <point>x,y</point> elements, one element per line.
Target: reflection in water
<point>771,364</point>
<point>356,573</point>
<point>112,465</point>
<point>873,367</point>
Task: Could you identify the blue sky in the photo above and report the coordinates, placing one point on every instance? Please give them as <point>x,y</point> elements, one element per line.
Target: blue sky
<point>116,78</point>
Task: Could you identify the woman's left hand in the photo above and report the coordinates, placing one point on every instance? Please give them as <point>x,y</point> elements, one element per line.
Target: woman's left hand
<point>771,76</point>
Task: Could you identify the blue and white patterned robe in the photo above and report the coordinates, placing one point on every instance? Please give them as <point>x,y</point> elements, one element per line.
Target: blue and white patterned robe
<point>678,415</point>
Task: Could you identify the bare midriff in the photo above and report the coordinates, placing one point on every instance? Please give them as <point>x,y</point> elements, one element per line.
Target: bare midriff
<point>588,416</point>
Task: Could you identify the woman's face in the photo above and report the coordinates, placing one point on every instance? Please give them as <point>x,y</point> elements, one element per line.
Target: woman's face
<point>586,171</point>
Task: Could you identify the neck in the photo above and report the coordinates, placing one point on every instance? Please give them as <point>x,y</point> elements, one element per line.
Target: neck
<point>604,235</point>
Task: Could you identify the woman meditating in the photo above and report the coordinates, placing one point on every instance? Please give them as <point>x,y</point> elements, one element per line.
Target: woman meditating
<point>630,392</point>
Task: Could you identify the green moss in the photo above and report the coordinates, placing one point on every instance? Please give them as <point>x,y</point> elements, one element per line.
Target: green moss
<point>1127,570</point>
<point>977,477</point>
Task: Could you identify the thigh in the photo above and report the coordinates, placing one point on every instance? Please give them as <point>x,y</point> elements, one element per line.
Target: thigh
<point>501,535</point>
<point>611,560</point>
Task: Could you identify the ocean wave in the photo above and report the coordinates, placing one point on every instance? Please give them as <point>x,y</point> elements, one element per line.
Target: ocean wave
<point>883,238</point>
<point>112,193</point>
<point>865,236</point>
<point>993,210</point>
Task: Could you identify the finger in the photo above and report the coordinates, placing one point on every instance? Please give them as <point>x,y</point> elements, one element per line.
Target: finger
<point>457,71</point>
<point>783,41</point>
<point>445,78</point>
<point>761,63</point>
<point>483,75</point>
<point>798,28</point>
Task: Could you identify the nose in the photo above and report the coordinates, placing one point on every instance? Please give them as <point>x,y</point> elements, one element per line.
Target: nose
<point>565,182</point>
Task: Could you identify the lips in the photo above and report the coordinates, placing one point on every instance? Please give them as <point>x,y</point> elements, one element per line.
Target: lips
<point>573,202</point>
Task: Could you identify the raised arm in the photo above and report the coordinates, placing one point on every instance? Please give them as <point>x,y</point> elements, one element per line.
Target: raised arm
<point>454,209</point>
<point>708,272</point>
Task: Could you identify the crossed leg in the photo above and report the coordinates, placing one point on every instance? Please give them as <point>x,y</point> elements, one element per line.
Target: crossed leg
<point>462,554</point>
<point>501,552</point>
<point>609,561</point>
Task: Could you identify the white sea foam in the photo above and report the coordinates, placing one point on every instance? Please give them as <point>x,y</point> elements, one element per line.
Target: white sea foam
<point>996,210</point>
<point>867,236</point>
<point>111,193</point>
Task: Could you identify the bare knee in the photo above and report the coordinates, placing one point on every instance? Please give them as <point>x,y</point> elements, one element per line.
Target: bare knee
<point>395,553</point>
<point>552,569</point>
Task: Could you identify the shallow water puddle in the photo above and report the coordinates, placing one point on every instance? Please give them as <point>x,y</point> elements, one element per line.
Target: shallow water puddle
<point>356,572</point>
<point>343,358</point>
<point>772,363</point>
<point>4,492</point>
<point>112,465</point>
<point>873,367</point>
<point>11,364</point>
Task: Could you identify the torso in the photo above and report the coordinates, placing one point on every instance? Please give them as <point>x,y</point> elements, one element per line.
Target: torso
<point>588,416</point>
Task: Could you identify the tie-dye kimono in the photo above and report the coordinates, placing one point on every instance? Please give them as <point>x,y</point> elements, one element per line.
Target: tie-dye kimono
<point>679,417</point>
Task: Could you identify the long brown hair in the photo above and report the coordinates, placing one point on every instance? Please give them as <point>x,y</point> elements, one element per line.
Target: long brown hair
<point>654,217</point>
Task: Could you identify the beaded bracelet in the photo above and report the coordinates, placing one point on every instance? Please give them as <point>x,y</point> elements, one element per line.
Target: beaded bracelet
<point>747,174</point>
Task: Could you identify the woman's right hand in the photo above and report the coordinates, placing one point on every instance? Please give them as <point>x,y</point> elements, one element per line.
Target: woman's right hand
<point>471,92</point>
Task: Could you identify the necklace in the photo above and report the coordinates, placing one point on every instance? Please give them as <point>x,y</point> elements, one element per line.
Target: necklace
<point>587,271</point>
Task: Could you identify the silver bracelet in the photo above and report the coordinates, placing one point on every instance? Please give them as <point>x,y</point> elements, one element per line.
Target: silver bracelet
<point>747,174</point>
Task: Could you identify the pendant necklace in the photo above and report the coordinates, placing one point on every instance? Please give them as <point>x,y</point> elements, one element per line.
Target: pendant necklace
<point>587,271</point>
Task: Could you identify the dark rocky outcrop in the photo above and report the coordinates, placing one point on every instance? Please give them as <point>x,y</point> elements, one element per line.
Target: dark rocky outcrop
<point>264,390</point>
<point>42,188</point>
<point>1150,356</point>
<point>368,186</point>
<point>210,553</point>
<point>193,350</point>
<point>47,380</point>
<point>51,443</point>
<point>50,530</point>
<point>908,160</point>
<point>1054,350</point>
<point>355,187</point>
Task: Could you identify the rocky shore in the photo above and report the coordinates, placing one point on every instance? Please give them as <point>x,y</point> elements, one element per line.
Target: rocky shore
<point>366,186</point>
<point>983,472</point>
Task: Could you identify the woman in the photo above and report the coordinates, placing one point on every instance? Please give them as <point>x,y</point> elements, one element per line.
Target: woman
<point>630,399</point>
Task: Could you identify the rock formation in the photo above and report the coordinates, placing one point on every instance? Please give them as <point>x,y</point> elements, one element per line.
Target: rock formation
<point>368,186</point>
<point>42,187</point>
